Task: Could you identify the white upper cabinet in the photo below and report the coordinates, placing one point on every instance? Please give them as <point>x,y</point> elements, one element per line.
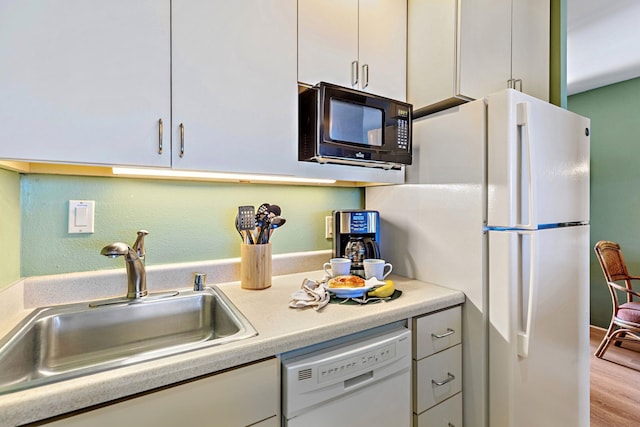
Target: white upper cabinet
<point>359,44</point>
<point>186,84</point>
<point>328,41</point>
<point>85,81</point>
<point>459,50</point>
<point>234,85</point>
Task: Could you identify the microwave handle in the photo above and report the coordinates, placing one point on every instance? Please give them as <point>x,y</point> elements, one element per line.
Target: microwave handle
<point>365,76</point>
<point>354,73</point>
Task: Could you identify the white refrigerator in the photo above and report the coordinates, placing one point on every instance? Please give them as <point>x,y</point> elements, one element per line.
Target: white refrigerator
<point>497,205</point>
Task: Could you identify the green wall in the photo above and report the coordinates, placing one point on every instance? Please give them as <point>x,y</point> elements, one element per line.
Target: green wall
<point>187,221</point>
<point>558,53</point>
<point>615,179</point>
<point>9,227</point>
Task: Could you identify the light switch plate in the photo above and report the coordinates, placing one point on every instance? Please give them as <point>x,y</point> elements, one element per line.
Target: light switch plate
<point>328,227</point>
<point>81,216</point>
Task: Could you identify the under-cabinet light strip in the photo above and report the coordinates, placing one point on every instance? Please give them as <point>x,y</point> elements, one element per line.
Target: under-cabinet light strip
<point>217,175</point>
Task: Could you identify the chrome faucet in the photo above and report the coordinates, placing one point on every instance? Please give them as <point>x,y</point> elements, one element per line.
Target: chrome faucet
<point>134,261</point>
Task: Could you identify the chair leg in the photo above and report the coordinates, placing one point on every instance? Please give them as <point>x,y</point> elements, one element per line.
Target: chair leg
<point>619,342</point>
<point>605,342</point>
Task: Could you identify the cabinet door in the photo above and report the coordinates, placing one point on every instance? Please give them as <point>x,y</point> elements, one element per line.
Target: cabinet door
<point>457,50</point>
<point>85,81</point>
<point>383,47</point>
<point>484,46</point>
<point>531,27</point>
<point>238,397</point>
<point>234,85</point>
<point>431,51</point>
<point>327,41</point>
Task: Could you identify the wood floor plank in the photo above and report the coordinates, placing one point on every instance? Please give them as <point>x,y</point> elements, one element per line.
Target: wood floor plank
<point>615,384</point>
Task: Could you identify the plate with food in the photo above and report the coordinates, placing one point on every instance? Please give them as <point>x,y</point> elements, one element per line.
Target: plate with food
<point>351,286</point>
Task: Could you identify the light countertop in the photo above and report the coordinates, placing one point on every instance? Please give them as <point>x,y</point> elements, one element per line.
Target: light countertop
<point>279,327</point>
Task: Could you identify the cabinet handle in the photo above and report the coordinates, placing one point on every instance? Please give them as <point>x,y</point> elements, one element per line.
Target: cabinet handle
<point>159,136</point>
<point>450,377</point>
<point>450,425</point>
<point>446,334</point>
<point>365,76</point>
<point>513,84</point>
<point>181,140</point>
<point>354,73</point>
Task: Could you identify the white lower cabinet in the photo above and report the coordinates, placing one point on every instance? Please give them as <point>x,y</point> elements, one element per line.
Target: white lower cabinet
<point>446,414</point>
<point>245,396</point>
<point>437,369</point>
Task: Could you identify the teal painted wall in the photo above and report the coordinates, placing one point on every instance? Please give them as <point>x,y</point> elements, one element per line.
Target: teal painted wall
<point>9,227</point>
<point>187,221</point>
<point>615,179</point>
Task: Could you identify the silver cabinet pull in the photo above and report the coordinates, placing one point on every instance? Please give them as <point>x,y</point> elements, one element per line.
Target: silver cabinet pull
<point>446,334</point>
<point>354,73</point>
<point>514,83</point>
<point>365,75</point>
<point>159,136</point>
<point>450,377</point>
<point>181,140</point>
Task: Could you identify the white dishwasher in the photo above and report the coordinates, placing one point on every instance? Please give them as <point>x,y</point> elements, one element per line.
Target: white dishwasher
<point>359,380</point>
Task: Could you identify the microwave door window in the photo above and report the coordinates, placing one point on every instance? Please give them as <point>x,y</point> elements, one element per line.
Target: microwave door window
<point>354,123</point>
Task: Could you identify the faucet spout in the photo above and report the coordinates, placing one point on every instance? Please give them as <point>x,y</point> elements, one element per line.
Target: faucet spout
<point>136,273</point>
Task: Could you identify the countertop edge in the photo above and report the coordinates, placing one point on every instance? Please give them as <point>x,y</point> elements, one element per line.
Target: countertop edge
<point>279,331</point>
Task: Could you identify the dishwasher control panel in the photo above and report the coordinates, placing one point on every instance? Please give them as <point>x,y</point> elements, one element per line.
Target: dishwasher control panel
<point>353,364</point>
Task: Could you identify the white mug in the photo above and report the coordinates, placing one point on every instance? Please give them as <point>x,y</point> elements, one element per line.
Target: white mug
<point>376,268</point>
<point>338,266</point>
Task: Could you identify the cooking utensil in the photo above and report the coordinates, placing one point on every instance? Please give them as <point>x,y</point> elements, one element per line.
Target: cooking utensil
<point>247,223</point>
<point>274,210</point>
<point>275,222</point>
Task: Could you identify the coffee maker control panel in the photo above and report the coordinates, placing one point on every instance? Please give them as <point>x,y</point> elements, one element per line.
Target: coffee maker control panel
<point>358,222</point>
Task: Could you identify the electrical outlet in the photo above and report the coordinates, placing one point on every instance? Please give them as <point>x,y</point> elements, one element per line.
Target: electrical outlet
<point>328,227</point>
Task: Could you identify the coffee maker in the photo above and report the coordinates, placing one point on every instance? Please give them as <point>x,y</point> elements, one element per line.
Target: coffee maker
<point>356,234</point>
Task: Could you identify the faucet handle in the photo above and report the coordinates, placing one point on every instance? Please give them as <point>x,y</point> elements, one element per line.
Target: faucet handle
<point>138,245</point>
<point>199,281</point>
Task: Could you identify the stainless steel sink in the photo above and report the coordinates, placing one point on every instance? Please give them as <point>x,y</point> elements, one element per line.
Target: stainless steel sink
<point>65,341</point>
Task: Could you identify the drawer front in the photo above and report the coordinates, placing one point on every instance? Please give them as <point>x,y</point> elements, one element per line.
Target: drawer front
<point>437,378</point>
<point>446,414</point>
<point>435,332</point>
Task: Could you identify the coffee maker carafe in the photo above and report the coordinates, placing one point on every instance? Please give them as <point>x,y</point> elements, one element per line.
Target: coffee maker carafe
<point>356,236</point>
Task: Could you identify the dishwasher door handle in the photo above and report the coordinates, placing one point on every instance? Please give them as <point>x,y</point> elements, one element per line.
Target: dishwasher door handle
<point>363,378</point>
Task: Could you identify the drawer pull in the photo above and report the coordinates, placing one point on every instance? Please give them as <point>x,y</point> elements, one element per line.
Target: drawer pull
<point>450,425</point>
<point>450,377</point>
<point>446,334</point>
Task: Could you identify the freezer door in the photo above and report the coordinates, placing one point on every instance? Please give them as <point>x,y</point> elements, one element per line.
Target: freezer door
<point>538,162</point>
<point>539,327</point>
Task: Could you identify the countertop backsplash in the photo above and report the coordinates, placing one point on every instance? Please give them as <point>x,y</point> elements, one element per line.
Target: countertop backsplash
<point>38,291</point>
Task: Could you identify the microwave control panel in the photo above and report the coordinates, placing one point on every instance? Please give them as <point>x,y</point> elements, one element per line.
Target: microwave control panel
<point>403,129</point>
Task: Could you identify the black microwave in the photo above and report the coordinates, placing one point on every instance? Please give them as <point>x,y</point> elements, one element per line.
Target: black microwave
<point>342,125</point>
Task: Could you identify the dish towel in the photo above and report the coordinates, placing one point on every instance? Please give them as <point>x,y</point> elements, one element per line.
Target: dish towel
<point>310,294</point>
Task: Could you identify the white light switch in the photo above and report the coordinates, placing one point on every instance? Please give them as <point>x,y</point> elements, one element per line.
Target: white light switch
<point>81,213</point>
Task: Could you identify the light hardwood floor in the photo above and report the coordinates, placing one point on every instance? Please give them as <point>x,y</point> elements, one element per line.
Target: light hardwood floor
<point>615,385</point>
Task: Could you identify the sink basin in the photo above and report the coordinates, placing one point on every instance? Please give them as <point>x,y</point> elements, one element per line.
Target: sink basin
<point>66,341</point>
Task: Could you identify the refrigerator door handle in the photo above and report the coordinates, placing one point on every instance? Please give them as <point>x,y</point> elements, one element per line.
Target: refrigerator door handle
<point>524,334</point>
<point>526,167</point>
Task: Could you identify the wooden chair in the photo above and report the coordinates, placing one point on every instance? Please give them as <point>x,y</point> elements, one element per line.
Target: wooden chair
<point>625,321</point>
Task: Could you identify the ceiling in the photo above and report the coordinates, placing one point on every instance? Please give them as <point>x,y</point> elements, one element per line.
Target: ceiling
<point>603,43</point>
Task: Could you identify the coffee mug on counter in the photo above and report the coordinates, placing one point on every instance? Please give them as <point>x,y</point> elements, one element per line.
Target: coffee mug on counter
<point>376,268</point>
<point>337,267</point>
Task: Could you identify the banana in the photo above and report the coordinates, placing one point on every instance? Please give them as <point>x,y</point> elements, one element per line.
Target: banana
<point>383,291</point>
